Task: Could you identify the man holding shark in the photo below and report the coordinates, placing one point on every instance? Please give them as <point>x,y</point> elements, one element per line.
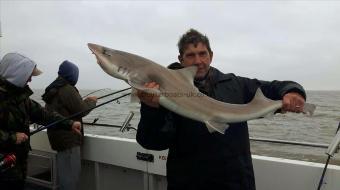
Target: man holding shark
<point>199,159</point>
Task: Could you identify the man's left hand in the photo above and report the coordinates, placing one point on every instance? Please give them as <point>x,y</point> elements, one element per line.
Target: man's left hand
<point>293,102</point>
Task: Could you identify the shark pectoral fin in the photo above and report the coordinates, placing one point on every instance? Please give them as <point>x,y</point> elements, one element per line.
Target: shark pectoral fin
<point>188,73</point>
<point>269,115</point>
<point>309,108</point>
<point>134,98</point>
<point>216,126</point>
<point>153,91</point>
<point>138,86</point>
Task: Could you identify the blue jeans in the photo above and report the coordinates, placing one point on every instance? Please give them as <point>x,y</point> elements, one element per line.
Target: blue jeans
<point>68,168</point>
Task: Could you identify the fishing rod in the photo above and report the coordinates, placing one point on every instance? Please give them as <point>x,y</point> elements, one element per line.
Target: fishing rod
<point>125,126</point>
<point>333,147</point>
<point>76,114</point>
<point>102,125</point>
<point>106,94</point>
<point>94,92</point>
<point>96,119</point>
<point>108,125</point>
<point>114,93</point>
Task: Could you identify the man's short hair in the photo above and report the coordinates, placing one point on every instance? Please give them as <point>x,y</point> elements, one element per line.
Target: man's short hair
<point>192,36</point>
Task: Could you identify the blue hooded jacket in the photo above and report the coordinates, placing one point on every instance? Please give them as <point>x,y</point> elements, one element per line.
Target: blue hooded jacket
<point>69,72</point>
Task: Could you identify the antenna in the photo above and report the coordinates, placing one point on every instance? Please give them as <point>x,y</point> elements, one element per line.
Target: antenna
<point>0,30</point>
<point>0,41</point>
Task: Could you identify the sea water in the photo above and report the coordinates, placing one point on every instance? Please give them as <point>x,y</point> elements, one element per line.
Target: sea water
<point>319,128</point>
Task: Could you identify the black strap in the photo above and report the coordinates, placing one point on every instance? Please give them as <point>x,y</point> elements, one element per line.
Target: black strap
<point>3,110</point>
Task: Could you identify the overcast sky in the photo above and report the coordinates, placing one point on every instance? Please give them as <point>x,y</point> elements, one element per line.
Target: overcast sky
<point>268,40</point>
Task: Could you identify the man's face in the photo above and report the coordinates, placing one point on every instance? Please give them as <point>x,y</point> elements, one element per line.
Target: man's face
<point>199,56</point>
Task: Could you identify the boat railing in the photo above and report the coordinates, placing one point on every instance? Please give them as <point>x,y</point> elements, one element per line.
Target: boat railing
<point>126,126</point>
<point>301,143</point>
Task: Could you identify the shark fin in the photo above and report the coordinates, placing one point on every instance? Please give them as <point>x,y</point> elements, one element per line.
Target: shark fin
<point>259,95</point>
<point>188,73</point>
<point>216,126</point>
<point>309,108</point>
<point>269,115</point>
<point>260,98</point>
<point>138,86</point>
<point>134,98</point>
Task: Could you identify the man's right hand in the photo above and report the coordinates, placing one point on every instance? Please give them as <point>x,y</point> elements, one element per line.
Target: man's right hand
<point>151,100</point>
<point>76,127</point>
<point>21,137</point>
<point>92,98</point>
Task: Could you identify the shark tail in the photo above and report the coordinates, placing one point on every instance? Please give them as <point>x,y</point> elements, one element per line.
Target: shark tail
<point>261,98</point>
<point>309,108</point>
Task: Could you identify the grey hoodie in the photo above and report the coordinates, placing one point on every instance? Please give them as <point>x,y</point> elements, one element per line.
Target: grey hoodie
<point>16,69</point>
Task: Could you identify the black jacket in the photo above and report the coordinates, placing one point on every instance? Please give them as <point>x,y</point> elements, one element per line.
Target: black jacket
<point>64,98</point>
<point>198,159</point>
<point>17,112</point>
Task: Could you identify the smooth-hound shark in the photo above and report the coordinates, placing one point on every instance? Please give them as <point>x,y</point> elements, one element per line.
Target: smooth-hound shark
<point>178,93</point>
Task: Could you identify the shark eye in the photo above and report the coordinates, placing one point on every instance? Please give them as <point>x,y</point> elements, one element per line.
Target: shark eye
<point>105,52</point>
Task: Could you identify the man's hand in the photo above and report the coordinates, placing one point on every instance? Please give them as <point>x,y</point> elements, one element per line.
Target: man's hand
<point>151,100</point>
<point>293,102</point>
<point>92,98</point>
<point>76,127</point>
<point>21,137</point>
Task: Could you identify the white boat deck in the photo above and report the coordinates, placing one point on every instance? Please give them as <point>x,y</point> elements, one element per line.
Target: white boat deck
<point>111,163</point>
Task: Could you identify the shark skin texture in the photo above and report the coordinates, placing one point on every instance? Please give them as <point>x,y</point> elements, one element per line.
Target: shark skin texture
<point>178,93</point>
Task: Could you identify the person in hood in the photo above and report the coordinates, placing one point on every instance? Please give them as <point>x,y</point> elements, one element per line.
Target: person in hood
<point>17,112</point>
<point>198,159</point>
<point>63,97</point>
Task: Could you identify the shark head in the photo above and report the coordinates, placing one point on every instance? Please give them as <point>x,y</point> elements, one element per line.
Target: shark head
<point>109,61</point>
<point>131,68</point>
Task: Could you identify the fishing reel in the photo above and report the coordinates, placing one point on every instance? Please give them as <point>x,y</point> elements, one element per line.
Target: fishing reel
<point>7,161</point>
